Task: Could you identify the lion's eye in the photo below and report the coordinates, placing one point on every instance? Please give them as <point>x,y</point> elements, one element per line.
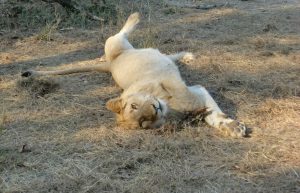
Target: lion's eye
<point>134,106</point>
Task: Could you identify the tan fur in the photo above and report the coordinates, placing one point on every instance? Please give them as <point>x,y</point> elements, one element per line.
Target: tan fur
<point>152,85</point>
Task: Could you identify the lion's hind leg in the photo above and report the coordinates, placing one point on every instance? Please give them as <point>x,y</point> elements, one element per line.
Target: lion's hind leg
<point>118,43</point>
<point>131,23</point>
<point>185,57</point>
<point>216,118</point>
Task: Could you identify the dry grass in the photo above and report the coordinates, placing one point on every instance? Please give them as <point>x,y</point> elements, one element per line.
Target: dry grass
<point>248,58</point>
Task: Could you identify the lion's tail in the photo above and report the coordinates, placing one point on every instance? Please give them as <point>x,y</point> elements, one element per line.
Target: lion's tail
<point>131,23</point>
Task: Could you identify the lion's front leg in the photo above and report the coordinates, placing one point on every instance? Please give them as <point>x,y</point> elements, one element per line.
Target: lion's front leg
<point>216,118</point>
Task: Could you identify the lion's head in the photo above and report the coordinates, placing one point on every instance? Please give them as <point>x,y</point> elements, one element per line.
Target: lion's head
<point>138,111</point>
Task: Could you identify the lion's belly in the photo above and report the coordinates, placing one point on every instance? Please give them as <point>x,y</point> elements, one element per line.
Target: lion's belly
<point>136,65</point>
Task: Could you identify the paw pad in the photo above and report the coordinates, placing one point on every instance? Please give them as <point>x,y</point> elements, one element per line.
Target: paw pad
<point>240,130</point>
<point>237,129</point>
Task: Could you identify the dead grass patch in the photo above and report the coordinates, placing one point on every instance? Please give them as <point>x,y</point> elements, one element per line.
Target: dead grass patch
<point>37,87</point>
<point>250,67</point>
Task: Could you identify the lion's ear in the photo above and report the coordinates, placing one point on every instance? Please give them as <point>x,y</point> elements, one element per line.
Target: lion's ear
<point>114,105</point>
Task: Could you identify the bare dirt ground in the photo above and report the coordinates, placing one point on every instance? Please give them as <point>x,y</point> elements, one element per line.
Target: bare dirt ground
<point>57,136</point>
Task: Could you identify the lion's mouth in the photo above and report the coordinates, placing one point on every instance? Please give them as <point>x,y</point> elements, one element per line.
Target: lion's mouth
<point>159,108</point>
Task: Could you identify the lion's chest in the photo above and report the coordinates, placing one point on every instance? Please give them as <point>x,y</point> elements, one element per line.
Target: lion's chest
<point>137,65</point>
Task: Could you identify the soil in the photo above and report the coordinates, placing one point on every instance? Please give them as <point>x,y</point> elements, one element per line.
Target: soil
<point>247,56</point>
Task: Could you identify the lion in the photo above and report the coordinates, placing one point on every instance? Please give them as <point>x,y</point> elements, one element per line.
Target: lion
<point>153,89</point>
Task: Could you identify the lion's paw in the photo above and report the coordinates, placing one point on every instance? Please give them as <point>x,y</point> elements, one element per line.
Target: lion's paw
<point>236,129</point>
<point>188,58</point>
